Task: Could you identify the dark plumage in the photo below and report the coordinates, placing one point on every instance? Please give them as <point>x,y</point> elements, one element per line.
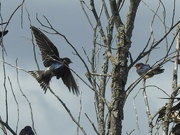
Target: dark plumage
<point>26,131</point>
<point>176,129</point>
<point>3,33</point>
<point>56,66</point>
<point>174,114</point>
<point>142,68</point>
<point>176,107</point>
<point>161,113</point>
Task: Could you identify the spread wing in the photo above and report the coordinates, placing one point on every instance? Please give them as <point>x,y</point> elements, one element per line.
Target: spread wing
<point>48,50</point>
<point>68,80</point>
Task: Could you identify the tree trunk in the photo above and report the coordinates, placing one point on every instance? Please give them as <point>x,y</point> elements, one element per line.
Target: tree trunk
<point>119,78</point>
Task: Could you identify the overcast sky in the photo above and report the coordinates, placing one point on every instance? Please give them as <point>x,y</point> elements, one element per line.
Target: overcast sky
<point>68,18</point>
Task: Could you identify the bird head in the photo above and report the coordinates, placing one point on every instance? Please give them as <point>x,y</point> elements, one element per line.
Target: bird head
<point>139,65</point>
<point>66,61</point>
<point>27,130</point>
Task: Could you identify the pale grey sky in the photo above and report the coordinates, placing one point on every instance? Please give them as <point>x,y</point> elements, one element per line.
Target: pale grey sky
<point>67,17</point>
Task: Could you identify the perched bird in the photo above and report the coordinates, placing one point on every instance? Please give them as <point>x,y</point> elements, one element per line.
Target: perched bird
<point>3,33</point>
<point>161,113</point>
<point>56,66</point>
<point>142,68</point>
<point>26,131</point>
<point>174,114</point>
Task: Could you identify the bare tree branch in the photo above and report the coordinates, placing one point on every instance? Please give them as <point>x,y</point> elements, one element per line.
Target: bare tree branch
<point>8,127</point>
<point>68,111</point>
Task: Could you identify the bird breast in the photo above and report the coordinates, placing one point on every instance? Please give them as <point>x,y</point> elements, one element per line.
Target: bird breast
<point>143,69</point>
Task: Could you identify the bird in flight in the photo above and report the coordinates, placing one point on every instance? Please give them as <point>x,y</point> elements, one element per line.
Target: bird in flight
<point>3,33</point>
<point>26,131</point>
<point>142,68</point>
<point>56,66</point>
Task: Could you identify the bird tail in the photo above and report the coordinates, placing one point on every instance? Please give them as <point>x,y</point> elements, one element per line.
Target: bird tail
<point>42,78</point>
<point>158,70</point>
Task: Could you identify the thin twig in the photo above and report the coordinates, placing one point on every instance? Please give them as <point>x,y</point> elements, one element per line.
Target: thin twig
<point>136,113</point>
<point>34,46</point>
<point>80,110</point>
<point>8,127</point>
<point>17,104</point>
<point>92,124</point>
<point>3,128</point>
<point>26,98</point>
<point>147,108</point>
<point>68,111</point>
